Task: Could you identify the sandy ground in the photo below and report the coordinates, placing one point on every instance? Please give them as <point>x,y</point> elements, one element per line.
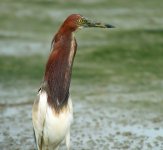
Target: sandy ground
<point>98,124</point>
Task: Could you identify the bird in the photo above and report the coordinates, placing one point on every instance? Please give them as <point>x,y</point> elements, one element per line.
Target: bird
<point>52,111</point>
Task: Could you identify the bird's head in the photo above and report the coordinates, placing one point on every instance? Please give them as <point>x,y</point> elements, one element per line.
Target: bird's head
<point>76,21</point>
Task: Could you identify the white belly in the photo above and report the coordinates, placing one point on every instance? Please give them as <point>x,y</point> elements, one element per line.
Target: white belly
<point>52,126</point>
<point>56,126</point>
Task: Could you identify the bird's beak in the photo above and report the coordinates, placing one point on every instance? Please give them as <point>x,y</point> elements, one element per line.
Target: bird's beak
<point>89,24</point>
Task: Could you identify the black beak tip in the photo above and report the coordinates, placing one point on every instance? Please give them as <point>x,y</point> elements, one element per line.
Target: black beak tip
<point>109,26</point>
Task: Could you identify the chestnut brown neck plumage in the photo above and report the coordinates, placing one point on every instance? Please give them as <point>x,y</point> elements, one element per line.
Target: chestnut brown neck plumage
<point>59,67</point>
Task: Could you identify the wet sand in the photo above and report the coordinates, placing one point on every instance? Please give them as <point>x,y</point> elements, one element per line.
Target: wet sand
<point>98,124</point>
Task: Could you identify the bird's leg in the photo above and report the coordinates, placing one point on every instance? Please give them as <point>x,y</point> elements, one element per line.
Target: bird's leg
<point>68,140</point>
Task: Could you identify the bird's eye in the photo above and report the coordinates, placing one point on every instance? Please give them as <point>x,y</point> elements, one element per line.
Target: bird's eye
<point>81,21</point>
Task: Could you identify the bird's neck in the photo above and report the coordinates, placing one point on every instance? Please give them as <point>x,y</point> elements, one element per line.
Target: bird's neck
<point>58,70</point>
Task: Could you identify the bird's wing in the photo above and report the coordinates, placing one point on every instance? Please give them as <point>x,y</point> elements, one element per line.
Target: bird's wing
<point>38,116</point>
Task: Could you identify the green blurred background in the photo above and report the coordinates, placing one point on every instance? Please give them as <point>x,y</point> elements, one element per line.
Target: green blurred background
<point>117,71</point>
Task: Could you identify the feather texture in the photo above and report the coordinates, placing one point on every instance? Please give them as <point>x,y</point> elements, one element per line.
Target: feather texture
<point>50,128</point>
